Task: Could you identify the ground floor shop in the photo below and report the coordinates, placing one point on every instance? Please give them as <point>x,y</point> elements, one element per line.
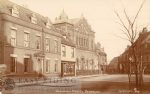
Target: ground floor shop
<point>68,68</point>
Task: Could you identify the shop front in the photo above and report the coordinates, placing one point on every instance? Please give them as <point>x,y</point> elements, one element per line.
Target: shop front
<point>67,68</point>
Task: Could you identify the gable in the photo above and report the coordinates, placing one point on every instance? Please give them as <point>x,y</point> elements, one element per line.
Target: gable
<point>83,26</point>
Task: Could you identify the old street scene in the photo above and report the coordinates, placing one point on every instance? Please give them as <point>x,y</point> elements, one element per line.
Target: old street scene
<point>74,47</point>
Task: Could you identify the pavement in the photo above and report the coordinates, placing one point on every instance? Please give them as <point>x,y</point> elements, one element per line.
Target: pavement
<point>89,76</point>
<point>81,78</point>
<point>88,82</point>
<point>112,78</point>
<point>59,81</point>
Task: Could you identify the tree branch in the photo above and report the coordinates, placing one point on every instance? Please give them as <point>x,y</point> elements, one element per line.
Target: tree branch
<point>122,23</point>
<point>127,17</point>
<point>122,38</point>
<point>137,13</point>
<point>124,32</point>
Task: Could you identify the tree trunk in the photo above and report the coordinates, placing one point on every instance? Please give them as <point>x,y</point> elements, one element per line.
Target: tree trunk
<point>136,68</point>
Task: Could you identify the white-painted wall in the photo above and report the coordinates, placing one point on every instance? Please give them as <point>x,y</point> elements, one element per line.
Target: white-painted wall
<point>68,56</point>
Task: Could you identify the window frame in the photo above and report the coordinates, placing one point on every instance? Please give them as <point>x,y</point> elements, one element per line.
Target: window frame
<point>63,50</point>
<point>38,38</point>
<point>28,39</point>
<point>28,64</point>
<point>47,44</point>
<point>47,68</point>
<point>13,65</point>
<point>13,38</point>
<point>56,46</point>
<point>72,52</point>
<point>56,66</point>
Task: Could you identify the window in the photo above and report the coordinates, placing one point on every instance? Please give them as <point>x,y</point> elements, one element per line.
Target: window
<point>15,11</point>
<point>47,45</point>
<point>56,66</point>
<point>47,65</point>
<point>56,46</point>
<point>77,40</point>
<point>38,42</point>
<point>92,63</point>
<point>91,44</point>
<point>72,53</point>
<point>13,37</point>
<point>86,42</point>
<point>65,68</point>
<point>81,41</point>
<point>33,19</point>
<point>13,64</point>
<point>63,51</point>
<point>77,60</point>
<point>148,45</point>
<point>26,64</point>
<point>26,39</point>
<point>48,24</point>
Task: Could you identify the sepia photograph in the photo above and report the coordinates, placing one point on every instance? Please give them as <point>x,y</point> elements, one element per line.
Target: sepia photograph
<point>74,46</point>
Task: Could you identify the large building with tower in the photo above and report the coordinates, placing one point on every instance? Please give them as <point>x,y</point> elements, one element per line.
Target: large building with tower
<point>82,35</point>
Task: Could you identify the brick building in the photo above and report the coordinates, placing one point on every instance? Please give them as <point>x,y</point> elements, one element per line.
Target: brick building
<point>29,44</point>
<point>142,48</point>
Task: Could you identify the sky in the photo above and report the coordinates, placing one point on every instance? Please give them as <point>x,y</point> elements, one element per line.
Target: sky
<point>99,14</point>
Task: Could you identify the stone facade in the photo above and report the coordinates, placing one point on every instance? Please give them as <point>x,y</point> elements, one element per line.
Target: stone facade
<point>31,45</point>
<point>28,45</point>
<point>83,37</point>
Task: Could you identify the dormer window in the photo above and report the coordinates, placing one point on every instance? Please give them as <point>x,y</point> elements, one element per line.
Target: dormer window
<point>33,19</point>
<point>48,24</point>
<point>15,11</point>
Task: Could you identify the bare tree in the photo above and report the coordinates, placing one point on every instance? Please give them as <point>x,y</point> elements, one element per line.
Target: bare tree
<point>129,29</point>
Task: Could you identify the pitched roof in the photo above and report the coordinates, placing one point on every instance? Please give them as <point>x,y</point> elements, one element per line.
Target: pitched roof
<point>67,41</point>
<point>142,36</point>
<point>24,13</point>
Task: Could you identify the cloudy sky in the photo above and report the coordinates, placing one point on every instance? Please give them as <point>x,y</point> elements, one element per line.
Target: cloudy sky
<point>100,15</point>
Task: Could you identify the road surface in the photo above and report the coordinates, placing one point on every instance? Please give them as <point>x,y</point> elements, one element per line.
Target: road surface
<point>99,84</point>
